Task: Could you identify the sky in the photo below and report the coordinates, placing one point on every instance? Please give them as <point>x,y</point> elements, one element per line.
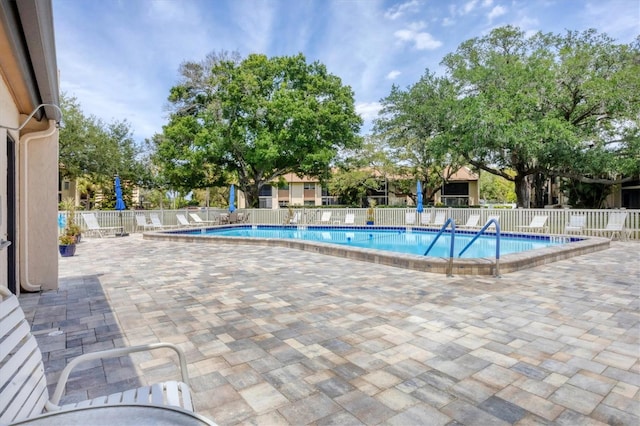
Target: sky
<point>120,58</point>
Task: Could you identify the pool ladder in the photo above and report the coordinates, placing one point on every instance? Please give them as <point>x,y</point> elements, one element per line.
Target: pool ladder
<point>452,222</point>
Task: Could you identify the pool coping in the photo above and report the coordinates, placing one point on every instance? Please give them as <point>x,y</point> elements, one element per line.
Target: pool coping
<point>577,246</point>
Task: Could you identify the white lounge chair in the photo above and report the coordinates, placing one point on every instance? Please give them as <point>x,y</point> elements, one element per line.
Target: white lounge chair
<point>615,226</point>
<point>198,220</point>
<point>439,220</point>
<point>425,218</point>
<point>576,224</point>
<point>94,227</point>
<point>294,220</point>
<point>410,218</point>
<point>23,384</point>
<point>141,222</point>
<point>155,220</point>
<point>349,219</point>
<point>538,223</point>
<point>183,221</point>
<point>472,222</point>
<point>325,218</point>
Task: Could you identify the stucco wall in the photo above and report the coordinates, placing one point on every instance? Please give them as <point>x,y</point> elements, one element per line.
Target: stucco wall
<point>38,207</point>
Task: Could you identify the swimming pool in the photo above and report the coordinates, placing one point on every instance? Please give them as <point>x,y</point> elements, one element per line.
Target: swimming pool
<point>366,243</point>
<point>399,240</point>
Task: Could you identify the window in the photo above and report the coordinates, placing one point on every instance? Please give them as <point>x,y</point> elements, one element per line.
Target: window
<point>309,186</point>
<point>456,188</point>
<point>265,191</point>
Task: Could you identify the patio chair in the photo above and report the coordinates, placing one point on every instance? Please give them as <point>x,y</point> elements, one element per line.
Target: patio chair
<point>439,220</point>
<point>182,220</point>
<point>325,218</point>
<point>243,217</point>
<point>410,218</point>
<point>615,226</point>
<point>576,224</point>
<point>425,218</point>
<point>349,219</point>
<point>233,217</point>
<point>141,222</point>
<point>156,222</point>
<point>472,222</point>
<point>294,220</point>
<point>538,223</point>
<point>94,227</point>
<point>23,385</point>
<point>198,220</point>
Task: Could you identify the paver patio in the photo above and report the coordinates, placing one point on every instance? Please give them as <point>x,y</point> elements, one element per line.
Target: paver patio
<point>280,336</point>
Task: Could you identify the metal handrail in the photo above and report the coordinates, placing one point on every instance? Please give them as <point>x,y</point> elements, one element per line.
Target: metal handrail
<point>453,234</point>
<point>480,232</point>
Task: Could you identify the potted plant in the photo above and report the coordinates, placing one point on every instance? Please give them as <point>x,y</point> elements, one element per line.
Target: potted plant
<point>71,227</point>
<point>371,213</point>
<point>67,245</point>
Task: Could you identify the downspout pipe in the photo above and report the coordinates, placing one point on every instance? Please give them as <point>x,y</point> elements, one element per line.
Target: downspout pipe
<point>24,243</point>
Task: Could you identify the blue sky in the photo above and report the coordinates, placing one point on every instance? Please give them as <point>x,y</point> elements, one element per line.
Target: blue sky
<point>121,57</point>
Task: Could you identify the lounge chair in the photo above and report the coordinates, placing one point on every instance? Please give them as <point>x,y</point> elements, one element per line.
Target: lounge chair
<point>182,220</point>
<point>472,222</point>
<point>425,218</point>
<point>155,221</point>
<point>293,219</point>
<point>198,220</point>
<point>94,227</point>
<point>141,222</point>
<point>576,224</point>
<point>23,384</point>
<point>410,218</point>
<point>243,217</point>
<point>439,220</point>
<point>325,218</point>
<point>349,219</point>
<point>538,223</point>
<point>615,226</point>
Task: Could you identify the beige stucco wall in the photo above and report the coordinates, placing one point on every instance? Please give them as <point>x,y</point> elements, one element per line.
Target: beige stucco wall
<point>38,207</point>
<point>36,197</point>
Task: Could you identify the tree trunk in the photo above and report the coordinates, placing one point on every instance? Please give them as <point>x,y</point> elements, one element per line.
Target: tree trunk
<point>522,190</point>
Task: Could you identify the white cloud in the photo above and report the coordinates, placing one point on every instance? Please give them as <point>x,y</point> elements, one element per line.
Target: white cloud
<point>393,75</point>
<point>487,3</point>
<point>469,6</point>
<point>421,40</point>
<point>447,22</point>
<point>417,26</point>
<point>496,11</point>
<point>368,110</point>
<point>397,11</point>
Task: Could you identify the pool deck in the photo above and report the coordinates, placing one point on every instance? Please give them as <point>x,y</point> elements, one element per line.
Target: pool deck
<point>281,336</point>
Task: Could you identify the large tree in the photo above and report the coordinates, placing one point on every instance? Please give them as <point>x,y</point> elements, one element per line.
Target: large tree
<point>258,119</point>
<point>547,105</point>
<point>94,152</point>
<point>414,123</point>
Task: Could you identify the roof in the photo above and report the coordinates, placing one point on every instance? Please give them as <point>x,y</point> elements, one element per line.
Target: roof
<point>28,55</point>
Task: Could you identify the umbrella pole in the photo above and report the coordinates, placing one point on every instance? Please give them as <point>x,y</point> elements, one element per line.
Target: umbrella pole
<point>122,233</point>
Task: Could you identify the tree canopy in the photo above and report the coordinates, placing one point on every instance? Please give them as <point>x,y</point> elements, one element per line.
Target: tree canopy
<point>526,109</point>
<point>254,119</point>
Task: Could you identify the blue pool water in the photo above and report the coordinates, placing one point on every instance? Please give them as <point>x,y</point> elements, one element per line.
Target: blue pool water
<point>390,239</point>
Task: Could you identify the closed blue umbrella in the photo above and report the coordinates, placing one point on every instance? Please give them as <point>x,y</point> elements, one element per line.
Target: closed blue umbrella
<point>419,207</point>
<point>120,204</point>
<point>232,199</point>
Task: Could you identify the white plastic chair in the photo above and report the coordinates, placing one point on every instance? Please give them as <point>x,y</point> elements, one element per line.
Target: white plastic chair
<point>198,220</point>
<point>410,218</point>
<point>141,222</point>
<point>156,222</point>
<point>472,222</point>
<point>325,218</point>
<point>439,220</point>
<point>23,385</point>
<point>538,223</point>
<point>576,224</point>
<point>94,227</point>
<point>615,226</point>
<point>349,219</point>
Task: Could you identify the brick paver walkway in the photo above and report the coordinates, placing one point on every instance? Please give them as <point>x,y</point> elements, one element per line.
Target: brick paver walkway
<point>279,336</point>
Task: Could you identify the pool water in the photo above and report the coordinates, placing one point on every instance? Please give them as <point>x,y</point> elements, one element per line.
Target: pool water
<point>391,239</point>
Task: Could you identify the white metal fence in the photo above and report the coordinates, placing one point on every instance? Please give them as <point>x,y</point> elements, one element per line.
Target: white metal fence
<point>510,219</point>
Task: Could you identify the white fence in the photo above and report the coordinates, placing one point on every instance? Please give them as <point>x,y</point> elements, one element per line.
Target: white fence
<point>510,219</point>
